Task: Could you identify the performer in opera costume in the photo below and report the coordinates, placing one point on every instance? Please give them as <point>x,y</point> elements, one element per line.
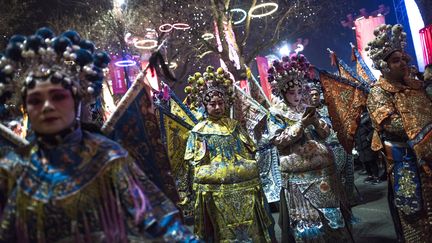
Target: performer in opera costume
<point>229,200</point>
<point>310,202</point>
<point>71,184</point>
<point>401,114</point>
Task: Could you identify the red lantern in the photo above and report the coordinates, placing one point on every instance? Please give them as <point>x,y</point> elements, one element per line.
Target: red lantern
<point>426,42</point>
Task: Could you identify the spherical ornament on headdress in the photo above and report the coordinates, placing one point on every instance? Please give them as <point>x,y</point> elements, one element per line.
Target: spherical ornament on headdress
<point>13,51</point>
<point>202,87</point>
<point>388,39</point>
<point>191,79</point>
<point>8,69</point>
<point>73,36</point>
<point>90,90</point>
<point>188,89</point>
<point>95,75</point>
<point>87,45</point>
<point>17,39</point>
<point>34,42</point>
<point>45,33</point>
<point>197,75</point>
<point>200,82</point>
<point>101,59</point>
<point>60,44</point>
<point>65,59</point>
<point>83,57</point>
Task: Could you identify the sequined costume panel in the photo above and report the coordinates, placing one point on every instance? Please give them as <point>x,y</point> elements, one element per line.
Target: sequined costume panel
<point>268,164</point>
<point>11,166</point>
<point>87,190</point>
<point>229,204</point>
<point>311,193</point>
<point>398,112</point>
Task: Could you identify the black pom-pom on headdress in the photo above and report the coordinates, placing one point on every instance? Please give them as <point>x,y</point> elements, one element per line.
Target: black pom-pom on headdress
<point>17,39</point>
<point>45,33</point>
<point>87,45</point>
<point>66,59</point>
<point>73,36</point>
<point>101,59</point>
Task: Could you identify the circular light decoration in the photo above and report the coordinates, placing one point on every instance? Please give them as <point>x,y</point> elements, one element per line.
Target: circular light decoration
<point>126,37</point>
<point>166,27</point>
<point>125,63</point>
<point>172,65</point>
<point>207,36</point>
<point>275,7</point>
<point>299,48</point>
<point>181,26</point>
<point>204,54</point>
<point>239,10</point>
<point>145,44</point>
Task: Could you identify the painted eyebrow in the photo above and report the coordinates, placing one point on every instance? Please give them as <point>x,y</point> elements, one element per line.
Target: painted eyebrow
<point>57,91</point>
<point>38,93</point>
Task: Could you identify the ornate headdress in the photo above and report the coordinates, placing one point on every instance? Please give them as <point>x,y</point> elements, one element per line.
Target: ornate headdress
<point>202,87</point>
<point>315,86</point>
<point>291,71</point>
<point>66,59</point>
<point>388,39</point>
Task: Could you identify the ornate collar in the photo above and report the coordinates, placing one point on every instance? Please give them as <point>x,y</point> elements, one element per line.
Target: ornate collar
<point>222,126</point>
<point>392,87</point>
<point>56,172</point>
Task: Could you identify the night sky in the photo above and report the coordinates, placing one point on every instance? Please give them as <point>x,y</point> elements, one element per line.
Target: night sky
<point>337,37</point>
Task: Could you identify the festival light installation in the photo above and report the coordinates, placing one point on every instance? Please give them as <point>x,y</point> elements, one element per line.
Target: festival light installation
<point>243,12</point>
<point>125,63</point>
<point>208,36</point>
<point>274,7</point>
<point>146,44</point>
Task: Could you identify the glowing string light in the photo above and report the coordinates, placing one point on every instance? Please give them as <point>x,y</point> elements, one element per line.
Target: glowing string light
<point>203,54</point>
<point>263,5</point>
<point>181,26</point>
<point>239,10</point>
<point>207,36</point>
<point>166,27</point>
<point>125,63</point>
<point>172,65</point>
<point>145,44</point>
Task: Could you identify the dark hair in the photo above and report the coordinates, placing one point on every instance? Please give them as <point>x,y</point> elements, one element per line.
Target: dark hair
<point>91,127</point>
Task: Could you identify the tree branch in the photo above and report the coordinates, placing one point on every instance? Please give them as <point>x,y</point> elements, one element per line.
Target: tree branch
<point>247,28</point>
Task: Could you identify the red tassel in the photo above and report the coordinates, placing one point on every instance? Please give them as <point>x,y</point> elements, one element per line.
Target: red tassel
<point>353,56</point>
<point>333,59</point>
<point>311,72</point>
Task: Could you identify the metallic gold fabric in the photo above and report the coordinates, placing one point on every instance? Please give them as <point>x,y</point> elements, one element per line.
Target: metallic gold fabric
<point>408,108</point>
<point>345,105</point>
<point>229,204</point>
<point>399,112</point>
